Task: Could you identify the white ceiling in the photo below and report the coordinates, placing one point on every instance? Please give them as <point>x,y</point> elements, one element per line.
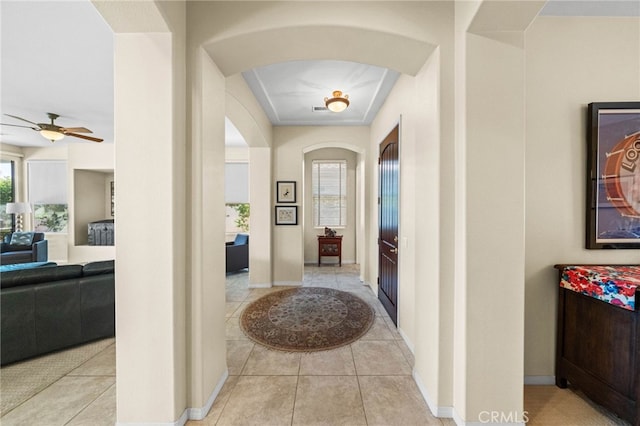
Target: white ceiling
<point>57,56</point>
<point>289,91</point>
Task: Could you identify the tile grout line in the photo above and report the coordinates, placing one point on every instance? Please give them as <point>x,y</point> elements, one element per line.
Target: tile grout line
<point>91,402</point>
<point>364,410</point>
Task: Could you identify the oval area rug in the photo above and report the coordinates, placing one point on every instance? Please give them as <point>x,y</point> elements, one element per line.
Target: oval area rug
<point>306,319</point>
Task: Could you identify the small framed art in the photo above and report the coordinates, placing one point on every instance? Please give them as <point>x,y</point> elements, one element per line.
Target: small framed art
<point>286,191</point>
<point>286,215</point>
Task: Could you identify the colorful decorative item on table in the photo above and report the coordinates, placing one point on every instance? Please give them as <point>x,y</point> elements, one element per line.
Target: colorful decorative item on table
<point>612,284</point>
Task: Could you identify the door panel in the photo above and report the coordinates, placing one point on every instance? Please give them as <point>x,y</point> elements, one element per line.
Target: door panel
<point>388,224</point>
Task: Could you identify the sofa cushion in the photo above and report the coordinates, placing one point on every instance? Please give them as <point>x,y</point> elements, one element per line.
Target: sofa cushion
<point>28,265</point>
<point>18,324</point>
<point>97,304</point>
<point>39,275</point>
<point>58,316</point>
<point>241,239</point>
<point>20,256</point>
<point>98,268</point>
<point>21,239</point>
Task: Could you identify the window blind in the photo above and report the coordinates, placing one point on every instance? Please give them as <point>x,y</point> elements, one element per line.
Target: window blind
<point>329,182</point>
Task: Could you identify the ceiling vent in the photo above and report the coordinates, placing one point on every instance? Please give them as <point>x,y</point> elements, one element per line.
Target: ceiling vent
<point>320,108</point>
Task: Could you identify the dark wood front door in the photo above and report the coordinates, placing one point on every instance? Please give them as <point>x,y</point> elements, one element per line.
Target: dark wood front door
<point>388,194</point>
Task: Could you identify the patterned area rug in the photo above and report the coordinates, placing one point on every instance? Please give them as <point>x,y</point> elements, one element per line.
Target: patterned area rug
<point>306,319</point>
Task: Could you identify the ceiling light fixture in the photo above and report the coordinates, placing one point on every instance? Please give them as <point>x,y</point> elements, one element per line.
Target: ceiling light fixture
<point>338,102</point>
<point>52,135</point>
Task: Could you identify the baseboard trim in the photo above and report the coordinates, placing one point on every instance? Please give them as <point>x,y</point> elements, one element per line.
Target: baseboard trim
<point>435,410</point>
<point>201,413</point>
<point>539,380</point>
<point>407,341</point>
<point>189,413</point>
<point>287,284</point>
<point>260,285</point>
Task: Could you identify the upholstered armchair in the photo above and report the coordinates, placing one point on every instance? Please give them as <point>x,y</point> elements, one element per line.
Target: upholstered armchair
<point>238,253</point>
<point>24,247</point>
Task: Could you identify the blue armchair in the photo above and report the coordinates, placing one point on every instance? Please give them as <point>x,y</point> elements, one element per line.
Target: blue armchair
<point>24,247</point>
<point>238,253</point>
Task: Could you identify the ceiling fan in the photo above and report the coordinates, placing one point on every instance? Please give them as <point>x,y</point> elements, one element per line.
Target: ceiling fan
<point>53,132</point>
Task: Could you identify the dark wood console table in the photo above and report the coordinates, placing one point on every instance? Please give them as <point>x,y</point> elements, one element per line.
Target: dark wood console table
<point>330,246</point>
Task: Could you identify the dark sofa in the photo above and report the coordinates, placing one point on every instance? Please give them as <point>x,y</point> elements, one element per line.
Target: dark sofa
<point>37,251</point>
<point>48,308</point>
<point>237,253</point>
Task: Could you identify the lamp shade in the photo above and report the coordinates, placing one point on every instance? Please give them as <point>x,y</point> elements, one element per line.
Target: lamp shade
<point>18,208</point>
<point>51,135</point>
<point>338,102</point>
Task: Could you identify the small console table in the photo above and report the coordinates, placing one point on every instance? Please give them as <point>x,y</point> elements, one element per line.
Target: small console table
<point>330,246</point>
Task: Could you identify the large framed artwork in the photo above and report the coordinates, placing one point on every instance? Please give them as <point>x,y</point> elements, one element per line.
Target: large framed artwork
<point>613,175</point>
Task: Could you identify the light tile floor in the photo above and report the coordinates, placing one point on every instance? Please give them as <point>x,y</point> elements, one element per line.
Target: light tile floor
<point>366,383</point>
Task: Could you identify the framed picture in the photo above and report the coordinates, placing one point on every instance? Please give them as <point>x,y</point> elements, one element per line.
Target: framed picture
<point>286,191</point>
<point>286,215</point>
<point>613,175</point>
<point>113,199</point>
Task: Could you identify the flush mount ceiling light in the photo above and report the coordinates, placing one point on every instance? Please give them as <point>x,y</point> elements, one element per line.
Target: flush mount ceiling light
<point>338,102</point>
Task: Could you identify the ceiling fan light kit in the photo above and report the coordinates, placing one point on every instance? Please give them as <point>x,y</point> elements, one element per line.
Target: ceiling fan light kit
<point>52,135</point>
<point>53,132</point>
<point>338,102</point>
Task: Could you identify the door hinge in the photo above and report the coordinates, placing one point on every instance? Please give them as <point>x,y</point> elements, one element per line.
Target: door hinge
<point>379,160</point>
<point>378,200</point>
<point>378,280</point>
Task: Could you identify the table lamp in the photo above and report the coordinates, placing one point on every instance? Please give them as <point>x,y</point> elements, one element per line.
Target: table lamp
<point>18,209</point>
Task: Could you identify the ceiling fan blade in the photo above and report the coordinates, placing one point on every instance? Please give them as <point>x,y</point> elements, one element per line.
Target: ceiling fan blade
<point>20,118</point>
<point>89,138</point>
<point>75,130</point>
<point>18,125</point>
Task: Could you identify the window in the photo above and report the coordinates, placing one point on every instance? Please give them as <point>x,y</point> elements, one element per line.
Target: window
<point>7,195</point>
<point>329,183</point>
<point>236,198</point>
<point>48,194</point>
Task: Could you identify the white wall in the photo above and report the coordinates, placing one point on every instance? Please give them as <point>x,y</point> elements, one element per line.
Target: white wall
<point>310,231</point>
<point>570,62</point>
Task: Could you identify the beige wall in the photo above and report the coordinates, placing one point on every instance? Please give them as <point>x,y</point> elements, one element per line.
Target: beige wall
<point>310,231</point>
<point>93,160</point>
<point>96,162</point>
<point>290,145</point>
<point>457,316</point>
<point>89,189</point>
<point>571,62</point>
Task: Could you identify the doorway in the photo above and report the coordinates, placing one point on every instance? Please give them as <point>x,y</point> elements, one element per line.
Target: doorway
<point>388,203</point>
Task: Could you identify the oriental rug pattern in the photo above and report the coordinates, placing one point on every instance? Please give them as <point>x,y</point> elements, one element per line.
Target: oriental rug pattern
<point>306,319</point>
